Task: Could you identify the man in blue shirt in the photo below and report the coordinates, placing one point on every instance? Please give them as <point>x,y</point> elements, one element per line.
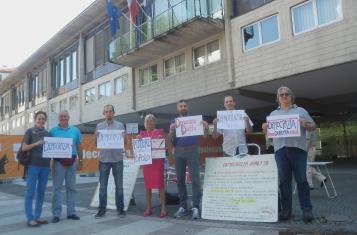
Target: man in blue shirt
<point>65,168</point>
<point>186,154</point>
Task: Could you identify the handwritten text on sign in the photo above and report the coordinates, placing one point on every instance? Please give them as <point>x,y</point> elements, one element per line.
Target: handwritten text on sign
<point>55,147</point>
<point>110,139</point>
<point>283,126</point>
<point>189,126</point>
<point>231,119</point>
<point>158,148</point>
<point>241,189</point>
<point>142,151</point>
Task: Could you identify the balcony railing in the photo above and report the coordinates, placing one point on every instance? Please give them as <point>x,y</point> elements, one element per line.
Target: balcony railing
<point>163,22</point>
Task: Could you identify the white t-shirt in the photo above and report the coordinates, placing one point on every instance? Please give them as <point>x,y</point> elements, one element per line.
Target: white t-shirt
<point>233,139</point>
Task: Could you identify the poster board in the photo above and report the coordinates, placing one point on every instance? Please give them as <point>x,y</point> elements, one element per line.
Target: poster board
<point>110,139</point>
<point>57,147</point>
<point>189,126</point>
<point>241,189</point>
<point>231,119</point>
<point>281,126</point>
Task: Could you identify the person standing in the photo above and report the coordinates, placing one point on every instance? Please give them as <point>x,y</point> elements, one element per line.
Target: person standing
<point>311,156</point>
<point>233,138</point>
<point>291,156</point>
<point>64,169</point>
<point>186,154</point>
<point>110,159</point>
<point>38,169</point>
<point>153,173</point>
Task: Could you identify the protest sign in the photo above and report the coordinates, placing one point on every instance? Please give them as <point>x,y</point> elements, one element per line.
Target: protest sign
<point>130,174</point>
<point>110,139</point>
<point>241,189</point>
<point>283,126</point>
<point>132,128</point>
<point>189,126</point>
<point>158,148</point>
<point>231,119</point>
<point>142,151</point>
<point>56,147</point>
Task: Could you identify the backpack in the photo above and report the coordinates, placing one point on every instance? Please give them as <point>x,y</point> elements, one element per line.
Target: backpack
<point>23,157</point>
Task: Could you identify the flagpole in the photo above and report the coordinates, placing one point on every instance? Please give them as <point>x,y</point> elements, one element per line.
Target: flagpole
<point>142,9</point>
<point>134,24</point>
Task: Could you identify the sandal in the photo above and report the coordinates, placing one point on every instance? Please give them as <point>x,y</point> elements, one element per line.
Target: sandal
<point>147,213</point>
<point>33,223</point>
<point>163,214</point>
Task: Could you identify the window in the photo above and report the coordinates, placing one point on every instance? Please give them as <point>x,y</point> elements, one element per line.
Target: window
<point>206,54</point>
<point>261,33</point>
<point>89,95</point>
<point>23,120</point>
<point>14,124</point>
<point>104,90</point>
<point>148,75</point>
<point>175,65</point>
<point>73,102</point>
<point>18,122</point>
<point>74,65</point>
<point>54,108</point>
<point>31,117</point>
<point>314,13</point>
<point>62,72</point>
<point>65,68</point>
<point>63,105</point>
<point>121,84</point>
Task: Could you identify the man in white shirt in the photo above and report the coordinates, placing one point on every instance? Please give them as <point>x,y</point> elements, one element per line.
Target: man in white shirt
<point>233,138</point>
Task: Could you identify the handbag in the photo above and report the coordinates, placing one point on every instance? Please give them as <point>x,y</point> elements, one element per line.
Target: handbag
<point>23,157</point>
<point>66,162</point>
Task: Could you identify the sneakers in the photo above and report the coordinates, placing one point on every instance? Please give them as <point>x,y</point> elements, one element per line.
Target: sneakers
<point>195,213</point>
<point>121,212</point>
<point>180,212</point>
<point>73,217</point>
<point>307,216</point>
<point>284,215</point>
<point>55,219</point>
<point>100,214</point>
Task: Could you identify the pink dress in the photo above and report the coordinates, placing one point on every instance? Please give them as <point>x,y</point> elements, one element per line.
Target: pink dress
<point>154,173</point>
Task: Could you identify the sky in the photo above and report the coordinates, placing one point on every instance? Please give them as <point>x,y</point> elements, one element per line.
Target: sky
<point>25,25</point>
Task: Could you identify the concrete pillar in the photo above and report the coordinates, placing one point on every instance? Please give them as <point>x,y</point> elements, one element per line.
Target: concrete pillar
<point>228,38</point>
<point>81,73</point>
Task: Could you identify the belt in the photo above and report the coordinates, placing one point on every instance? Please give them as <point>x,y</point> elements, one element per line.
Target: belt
<point>192,147</point>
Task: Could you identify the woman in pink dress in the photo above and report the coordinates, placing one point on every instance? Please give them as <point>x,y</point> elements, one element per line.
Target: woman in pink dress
<point>154,173</point>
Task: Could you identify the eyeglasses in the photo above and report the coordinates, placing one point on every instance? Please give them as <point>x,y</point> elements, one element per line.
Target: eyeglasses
<point>284,94</point>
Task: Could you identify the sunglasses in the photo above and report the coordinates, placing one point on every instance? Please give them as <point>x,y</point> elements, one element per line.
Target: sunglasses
<point>284,94</point>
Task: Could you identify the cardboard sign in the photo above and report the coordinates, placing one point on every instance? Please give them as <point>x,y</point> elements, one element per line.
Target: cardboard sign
<point>132,128</point>
<point>283,126</point>
<point>56,147</point>
<point>231,119</point>
<point>142,151</point>
<point>110,139</point>
<point>130,174</point>
<point>158,149</point>
<point>241,189</point>
<point>189,126</point>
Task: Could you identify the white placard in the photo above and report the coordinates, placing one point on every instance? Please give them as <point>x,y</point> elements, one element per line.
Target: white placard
<point>158,149</point>
<point>241,189</point>
<point>142,151</point>
<point>57,147</point>
<point>283,126</point>
<point>110,139</point>
<point>132,128</point>
<point>231,119</point>
<point>189,126</point>
<point>130,174</point>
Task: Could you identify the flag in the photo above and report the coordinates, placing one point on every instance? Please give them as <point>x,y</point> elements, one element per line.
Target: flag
<point>133,8</point>
<point>148,8</point>
<point>113,14</point>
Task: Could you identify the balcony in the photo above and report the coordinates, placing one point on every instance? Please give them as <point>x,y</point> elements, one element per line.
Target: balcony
<point>181,25</point>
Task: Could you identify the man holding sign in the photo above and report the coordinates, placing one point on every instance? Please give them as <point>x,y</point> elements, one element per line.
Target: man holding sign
<point>110,138</point>
<point>237,125</point>
<point>290,151</point>
<point>186,154</point>
<point>64,169</point>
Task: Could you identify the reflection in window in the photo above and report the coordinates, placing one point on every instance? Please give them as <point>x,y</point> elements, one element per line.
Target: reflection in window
<point>314,13</point>
<point>89,95</point>
<point>74,65</point>
<point>121,84</point>
<point>199,54</point>
<point>148,75</point>
<point>207,54</point>
<point>104,90</point>
<point>213,52</point>
<point>175,65</point>
<point>263,32</point>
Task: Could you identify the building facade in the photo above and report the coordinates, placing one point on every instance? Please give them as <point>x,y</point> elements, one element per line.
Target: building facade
<point>197,50</point>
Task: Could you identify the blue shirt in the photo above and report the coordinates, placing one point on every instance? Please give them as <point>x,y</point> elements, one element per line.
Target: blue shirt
<point>184,141</point>
<point>69,132</point>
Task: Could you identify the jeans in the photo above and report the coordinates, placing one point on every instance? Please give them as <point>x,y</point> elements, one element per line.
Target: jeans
<point>36,181</point>
<point>293,160</point>
<point>60,174</point>
<point>188,158</point>
<point>117,171</point>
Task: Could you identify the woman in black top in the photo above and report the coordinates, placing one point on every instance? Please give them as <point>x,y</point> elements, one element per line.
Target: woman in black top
<point>38,169</point>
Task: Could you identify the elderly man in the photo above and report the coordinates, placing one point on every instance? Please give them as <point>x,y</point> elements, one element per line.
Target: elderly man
<point>233,138</point>
<point>186,155</point>
<point>110,159</point>
<point>65,169</point>
<point>291,156</point>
